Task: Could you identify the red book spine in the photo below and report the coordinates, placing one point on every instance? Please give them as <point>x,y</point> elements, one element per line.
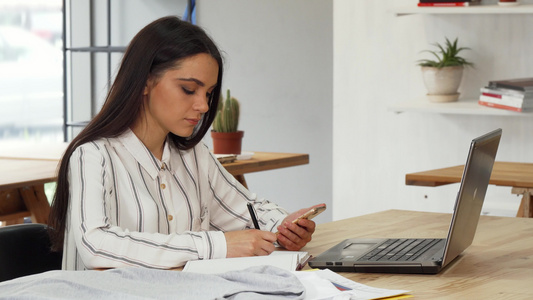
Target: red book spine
<point>504,100</point>
<point>489,104</point>
<point>492,95</point>
<point>443,4</point>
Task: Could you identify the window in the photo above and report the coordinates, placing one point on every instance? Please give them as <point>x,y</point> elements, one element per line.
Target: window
<point>31,70</point>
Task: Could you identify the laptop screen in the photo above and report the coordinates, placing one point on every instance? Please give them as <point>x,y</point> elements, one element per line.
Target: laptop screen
<point>469,202</point>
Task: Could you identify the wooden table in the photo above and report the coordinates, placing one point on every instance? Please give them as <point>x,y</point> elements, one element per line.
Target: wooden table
<point>517,175</point>
<point>498,264</point>
<point>263,161</point>
<point>24,173</point>
<point>22,189</point>
<point>32,150</point>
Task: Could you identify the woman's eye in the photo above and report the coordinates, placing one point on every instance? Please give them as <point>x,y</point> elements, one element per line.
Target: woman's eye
<point>188,92</point>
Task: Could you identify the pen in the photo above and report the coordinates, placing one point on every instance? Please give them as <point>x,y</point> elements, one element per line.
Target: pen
<point>252,213</point>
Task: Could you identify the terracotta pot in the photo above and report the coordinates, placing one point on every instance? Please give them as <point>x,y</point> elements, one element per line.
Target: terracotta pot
<point>227,142</point>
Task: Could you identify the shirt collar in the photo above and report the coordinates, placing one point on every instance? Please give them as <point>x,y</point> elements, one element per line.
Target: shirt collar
<point>142,155</point>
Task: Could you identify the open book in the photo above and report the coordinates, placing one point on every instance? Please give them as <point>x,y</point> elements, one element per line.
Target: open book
<point>226,158</point>
<point>286,260</point>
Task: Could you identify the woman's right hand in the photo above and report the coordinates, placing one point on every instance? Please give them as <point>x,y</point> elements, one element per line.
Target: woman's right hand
<point>251,242</point>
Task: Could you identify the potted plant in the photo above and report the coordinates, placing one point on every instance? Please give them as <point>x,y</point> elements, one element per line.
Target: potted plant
<point>227,139</point>
<point>442,76</point>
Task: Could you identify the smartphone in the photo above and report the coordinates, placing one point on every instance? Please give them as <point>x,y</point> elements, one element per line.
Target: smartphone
<point>313,212</point>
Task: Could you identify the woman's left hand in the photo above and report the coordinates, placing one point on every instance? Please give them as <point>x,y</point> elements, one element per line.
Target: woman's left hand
<point>294,236</point>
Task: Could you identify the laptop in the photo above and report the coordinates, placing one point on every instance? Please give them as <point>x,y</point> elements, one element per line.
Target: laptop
<point>428,255</point>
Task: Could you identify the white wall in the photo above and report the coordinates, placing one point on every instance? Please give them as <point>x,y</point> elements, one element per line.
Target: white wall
<point>279,64</point>
<point>375,57</point>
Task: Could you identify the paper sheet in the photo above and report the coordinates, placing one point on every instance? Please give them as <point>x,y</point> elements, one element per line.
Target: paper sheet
<point>340,287</point>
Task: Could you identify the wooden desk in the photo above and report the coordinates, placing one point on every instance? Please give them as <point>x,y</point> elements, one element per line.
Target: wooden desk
<point>32,150</point>
<point>263,161</point>
<point>498,265</point>
<point>519,176</point>
<point>23,175</point>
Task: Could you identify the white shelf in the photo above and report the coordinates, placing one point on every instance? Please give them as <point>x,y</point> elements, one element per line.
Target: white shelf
<point>461,107</point>
<point>474,9</point>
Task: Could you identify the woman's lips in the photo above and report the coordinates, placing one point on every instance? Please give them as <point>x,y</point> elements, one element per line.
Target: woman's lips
<point>193,121</point>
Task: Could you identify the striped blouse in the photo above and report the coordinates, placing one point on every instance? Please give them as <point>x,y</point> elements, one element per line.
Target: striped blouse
<point>128,208</point>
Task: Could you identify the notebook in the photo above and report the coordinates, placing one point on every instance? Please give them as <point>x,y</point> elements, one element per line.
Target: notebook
<point>429,255</point>
<point>286,260</point>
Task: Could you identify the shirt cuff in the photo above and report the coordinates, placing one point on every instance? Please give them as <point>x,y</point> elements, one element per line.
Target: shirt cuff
<point>273,217</point>
<point>219,247</point>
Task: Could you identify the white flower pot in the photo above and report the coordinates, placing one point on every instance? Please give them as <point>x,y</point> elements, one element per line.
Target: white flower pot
<point>442,84</point>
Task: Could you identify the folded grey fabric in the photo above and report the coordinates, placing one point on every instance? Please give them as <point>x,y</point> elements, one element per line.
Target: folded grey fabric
<point>262,282</point>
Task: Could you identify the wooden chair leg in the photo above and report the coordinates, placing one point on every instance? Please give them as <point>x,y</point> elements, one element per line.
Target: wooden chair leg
<point>525,210</point>
<point>36,202</point>
<point>528,205</point>
<point>12,207</point>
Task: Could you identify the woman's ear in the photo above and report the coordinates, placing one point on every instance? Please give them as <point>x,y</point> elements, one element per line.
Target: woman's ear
<point>145,91</point>
<point>149,84</point>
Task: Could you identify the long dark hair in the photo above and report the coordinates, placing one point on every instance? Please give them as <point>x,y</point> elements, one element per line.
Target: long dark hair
<point>158,47</point>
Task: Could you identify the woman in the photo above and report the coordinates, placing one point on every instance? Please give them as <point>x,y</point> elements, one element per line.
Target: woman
<point>137,187</point>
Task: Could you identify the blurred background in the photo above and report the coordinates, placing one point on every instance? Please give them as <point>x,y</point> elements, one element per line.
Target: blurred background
<point>31,70</point>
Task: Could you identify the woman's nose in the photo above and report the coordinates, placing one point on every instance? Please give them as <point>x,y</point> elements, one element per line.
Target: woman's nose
<point>201,104</point>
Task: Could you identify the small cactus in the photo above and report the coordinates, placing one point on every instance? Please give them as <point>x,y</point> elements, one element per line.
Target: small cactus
<point>227,118</point>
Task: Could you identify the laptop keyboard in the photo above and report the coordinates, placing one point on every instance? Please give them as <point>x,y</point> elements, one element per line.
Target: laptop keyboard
<point>400,250</point>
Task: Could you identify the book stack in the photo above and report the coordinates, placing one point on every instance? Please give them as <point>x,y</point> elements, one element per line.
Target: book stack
<point>512,94</point>
<point>447,3</point>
